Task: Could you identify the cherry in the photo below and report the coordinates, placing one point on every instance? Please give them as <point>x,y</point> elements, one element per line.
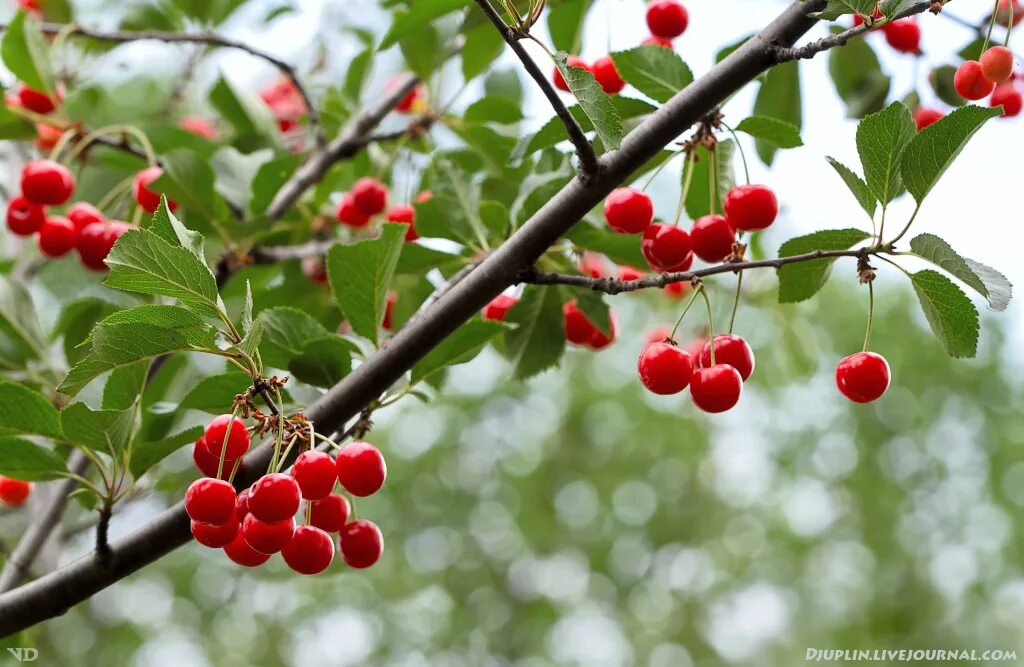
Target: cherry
<point>628,211</point>
<point>498,308</point>
<point>330,514</point>
<point>1009,98</point>
<point>573,61</point>
<point>578,329</point>
<point>1003,12</point>
<point>274,497</point>
<point>83,214</point>
<point>215,537</point>
<point>970,81</point>
<point>242,504</point>
<point>14,492</point>
<point>267,537</point>
<point>47,182</point>
<point>629,273</point>
<point>24,217</point>
<point>36,100</point>
<point>667,248</point>
<point>199,127</point>
<point>924,117</point>
<point>361,543</point>
<point>713,238</point>
<point>47,137</point>
<point>146,197</point>
<point>369,196</point>
<point>211,501</point>
<point>600,340</point>
<point>315,269</point>
<point>676,290</point>
<point>389,311</point>
<point>95,242</point>
<point>240,552</point>
<point>57,236</point>
<point>876,15</point>
<point>716,389</point>
<point>997,64</point>
<point>863,377</point>
<point>361,468</point>
<point>315,473</point>
<point>406,215</point>
<point>904,35</point>
<point>412,100</point>
<point>664,369</point>
<point>238,439</point>
<point>657,41</point>
<point>667,18</point>
<point>207,463</point>
<point>750,208</point>
<point>310,550</point>
<point>731,350</point>
<point>349,214</point>
<point>606,75</point>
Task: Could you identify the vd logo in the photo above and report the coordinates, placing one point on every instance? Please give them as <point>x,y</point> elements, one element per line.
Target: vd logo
<point>24,654</point>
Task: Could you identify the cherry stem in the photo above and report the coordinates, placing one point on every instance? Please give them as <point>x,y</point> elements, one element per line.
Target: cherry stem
<point>115,192</point>
<point>135,132</point>
<point>711,324</point>
<point>736,301</point>
<point>324,438</point>
<point>657,171</point>
<point>62,143</point>
<point>287,451</point>
<point>679,320</point>
<point>224,445</point>
<point>689,165</point>
<point>992,25</point>
<point>871,314</point>
<point>739,147</point>
<point>712,180</point>
<point>309,512</point>
<point>1009,25</point>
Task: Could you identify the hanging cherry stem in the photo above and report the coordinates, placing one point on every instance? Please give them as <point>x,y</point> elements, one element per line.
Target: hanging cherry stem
<point>711,324</point>
<point>871,314</point>
<point>736,301</point>
<point>679,320</point>
<point>992,25</point>
<point>224,445</point>
<point>1009,24</point>
<point>657,171</point>
<point>739,147</point>
<point>689,165</point>
<point>712,180</point>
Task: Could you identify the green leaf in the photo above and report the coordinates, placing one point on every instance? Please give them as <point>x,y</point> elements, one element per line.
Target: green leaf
<point>620,248</point>
<point>697,200</point>
<point>858,77</point>
<point>952,316</point>
<point>421,51</point>
<point>779,97</point>
<point>124,385</point>
<point>593,305</point>
<point>323,362</point>
<point>26,53</point>
<point>933,149</point>
<point>655,71</point>
<point>252,121</point>
<point>802,280</point>
<point>553,132</point>
<point>893,8</point>
<point>189,180</point>
<point>460,347</point>
<point>538,340</point>
<point>858,187</point>
<point>416,259</point>
<point>13,126</point>
<point>269,179</point>
<point>147,454</point>
<point>881,140</point>
<point>420,13</point>
<point>76,322</point>
<point>169,228</point>
<point>988,282</point>
<point>596,103</point>
<point>941,81</point>
<point>215,393</point>
<point>27,412</point>
<point>107,431</point>
<point>836,8</point>
<point>482,47</point>
<point>285,332</point>
<point>772,130</point>
<point>21,337</point>
<point>21,459</point>
<point>565,24</point>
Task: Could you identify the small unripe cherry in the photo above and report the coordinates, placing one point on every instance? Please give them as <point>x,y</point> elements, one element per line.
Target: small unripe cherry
<point>349,214</point>
<point>498,308</point>
<point>47,137</point>
<point>863,377</point>
<point>47,182</point>
<point>970,82</point>
<point>232,428</point>
<point>57,236</point>
<point>274,497</point>
<point>628,211</point>
<point>361,468</point>
<point>1008,97</point>
<point>240,552</point>
<point>25,217</point>
<point>573,61</point>
<point>315,473</point>
<point>924,117</point>
<point>310,551</point>
<point>369,195</point>
<point>713,238</point>
<point>750,208</point>
<point>405,215</point>
<point>330,514</point>
<point>731,350</point>
<point>664,369</point>
<point>14,492</point>
<point>361,544</point>
<point>413,100</point>
<point>716,389</point>
<point>997,64</point>
<point>267,537</point>
<point>904,35</point>
<point>147,198</point>
<point>215,537</point>
<point>211,501</point>
<point>387,322</point>
<point>667,248</point>
<point>315,269</point>
<point>667,18</point>
<point>606,75</point>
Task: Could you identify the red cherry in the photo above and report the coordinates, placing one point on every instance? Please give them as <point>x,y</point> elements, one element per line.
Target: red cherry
<point>330,514</point>
<point>237,442</point>
<point>1003,13</point>
<point>600,340</point>
<point>310,550</point>
<point>1009,98</point>
<point>38,101</point>
<point>904,35</point>
<point>628,211</point>
<point>146,197</point>
<point>498,308</point>
<point>664,368</point>
<point>240,552</point>
<point>628,273</point>
<point>57,236</point>
<point>83,214</point>
<point>876,15</point>
<point>361,469</point>
<point>676,290</point>
<point>657,41</point>
<point>424,197</point>
<point>667,18</point>
<point>199,127</point>
<point>406,215</point>
<point>267,537</point>
<point>361,544</point>
<point>578,329</point>
<point>411,100</point>
<point>863,377</point>
<point>274,497</point>
<point>997,64</point>
<point>215,537</point>
<point>573,61</point>
<point>716,389</point>
<point>315,269</point>
<point>349,214</point>
<point>750,208</point>
<point>206,462</point>
<point>47,182</point>
<point>242,504</point>
<point>315,473</point>
<point>712,237</point>
<point>606,75</point>
<point>924,117</point>
<point>731,350</point>
<point>369,195</point>
<point>24,217</point>
<point>210,501</point>
<point>970,81</point>
<point>96,241</point>
<point>667,248</point>
<point>389,311</point>
<point>14,492</point>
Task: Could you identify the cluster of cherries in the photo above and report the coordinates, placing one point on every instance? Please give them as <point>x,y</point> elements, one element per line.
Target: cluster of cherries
<point>14,492</point>
<point>991,75</point>
<point>369,198</point>
<point>260,521</point>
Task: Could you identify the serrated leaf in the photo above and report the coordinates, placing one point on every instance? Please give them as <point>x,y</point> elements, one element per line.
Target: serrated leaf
<point>932,151</point>
<point>553,132</point>
<point>596,103</point>
<point>655,71</point>
<point>323,362</point>
<point>538,340</point>
<point>771,130</point>
<point>24,460</point>
<point>460,347</point>
<point>779,97</point>
<point>988,282</point>
<point>419,14</point>
<point>27,412</point>
<point>169,228</point>
<point>124,385</point>
<point>565,24</point>
<point>107,431</point>
<point>893,8</point>
<point>802,280</point>
<point>882,139</point>
<point>952,316</point>
<point>21,337</point>
<point>360,275</point>
<point>147,454</point>
<point>26,53</point>
<point>863,194</point>
<point>836,8</point>
<point>285,332</point>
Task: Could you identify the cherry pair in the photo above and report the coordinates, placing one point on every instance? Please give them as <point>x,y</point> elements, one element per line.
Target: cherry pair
<point>976,79</point>
<point>666,369</point>
<point>603,70</point>
<point>367,198</point>
<point>903,35</point>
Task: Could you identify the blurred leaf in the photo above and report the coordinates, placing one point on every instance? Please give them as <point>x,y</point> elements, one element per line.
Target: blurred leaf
<point>252,121</point>
<point>458,348</point>
<point>21,459</point>
<point>596,103</point>
<point>268,181</point>
<point>285,333</point>
<point>21,337</point>
<point>620,248</point>
<point>360,275</point>
<point>771,130</point>
<point>421,51</point>
<point>483,46</point>
<point>323,362</point>
<point>565,23</point>
<point>941,80</point>
<point>836,8</point>
<point>145,455</point>
<point>124,385</point>
<point>985,280</point>
<point>24,411</point>
<point>802,280</point>
<point>107,431</point>
<point>504,83</point>
<point>26,53</point>
<point>858,77</point>
<point>553,132</point>
<point>655,71</point>
<point>77,319</point>
<point>779,97</point>
<point>881,140</point>
<point>538,340</point>
<point>214,393</point>
<point>421,13</point>
<point>858,187</point>
<point>594,307</point>
<point>189,180</point>
<point>698,200</point>
<point>952,316</point>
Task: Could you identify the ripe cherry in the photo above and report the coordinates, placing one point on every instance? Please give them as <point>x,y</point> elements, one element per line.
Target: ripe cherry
<point>629,273</point>
<point>387,322</point>
<point>237,441</point>
<point>361,543</point>
<point>970,81</point>
<point>1009,98</point>
<point>750,208</point>
<point>713,238</point>
<point>47,182</point>
<point>211,501</point>
<point>628,211</point>
<point>731,350</point>
<point>498,308</point>
<point>24,217</point>
<point>667,18</point>
<point>315,269</point>
<point>349,214</point>
<point>315,473</point>
<point>600,340</point>
<point>573,61</point>
<point>904,35</point>
<point>716,389</point>
<point>96,241</point>
<point>676,290</point>
<point>215,537</point>
<point>361,468</point>
<point>863,377</point>
<point>14,492</point>
<point>654,40</point>
<point>38,101</point>
<point>667,248</point>
<point>412,101</point>
<point>369,196</point>
<point>330,514</point>
<point>924,117</point>
<point>578,329</point>
<point>83,214</point>
<point>240,552</point>
<point>147,198</point>
<point>274,497</point>
<point>406,215</point>
<point>242,505</point>
<point>199,127</point>
<point>606,75</point>
<point>207,463</point>
<point>57,236</point>
<point>664,368</point>
<point>1003,12</point>
<point>267,537</point>
<point>997,64</point>
<point>310,550</point>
